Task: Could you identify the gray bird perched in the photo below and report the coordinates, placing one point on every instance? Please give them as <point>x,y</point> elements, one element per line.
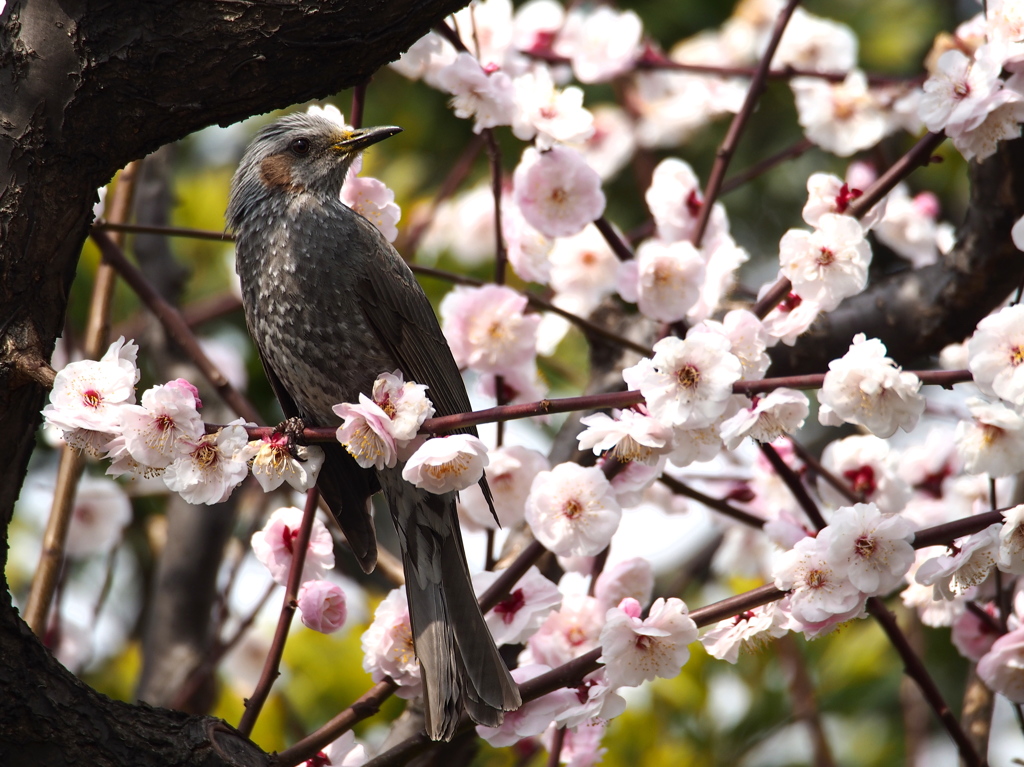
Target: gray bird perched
<point>331,305</point>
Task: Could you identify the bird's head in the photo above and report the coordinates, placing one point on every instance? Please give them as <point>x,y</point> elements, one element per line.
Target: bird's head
<point>300,153</point>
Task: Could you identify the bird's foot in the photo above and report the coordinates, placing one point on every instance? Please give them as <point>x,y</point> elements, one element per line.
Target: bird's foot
<point>292,429</point>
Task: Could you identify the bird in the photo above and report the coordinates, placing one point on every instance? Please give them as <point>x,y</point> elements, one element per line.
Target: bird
<point>330,304</point>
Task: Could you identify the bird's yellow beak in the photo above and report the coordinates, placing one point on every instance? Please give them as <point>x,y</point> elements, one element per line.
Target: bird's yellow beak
<point>359,139</point>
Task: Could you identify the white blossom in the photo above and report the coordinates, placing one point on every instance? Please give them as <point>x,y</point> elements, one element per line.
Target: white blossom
<point>874,546</point>
<point>995,353</point>
<point>207,469</point>
<point>769,417</point>
<point>557,192</point>
<point>388,647</point>
<point>828,264</point>
<point>636,650</point>
<point>993,441</point>
<point>866,388</point>
<point>515,618</point>
<point>632,435</point>
<point>274,546</point>
<point>571,510</point>
<point>444,464</point>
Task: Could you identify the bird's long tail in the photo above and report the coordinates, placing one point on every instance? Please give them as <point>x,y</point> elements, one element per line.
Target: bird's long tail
<point>460,663</point>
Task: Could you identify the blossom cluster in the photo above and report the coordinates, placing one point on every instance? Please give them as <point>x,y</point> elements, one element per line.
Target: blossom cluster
<point>93,403</point>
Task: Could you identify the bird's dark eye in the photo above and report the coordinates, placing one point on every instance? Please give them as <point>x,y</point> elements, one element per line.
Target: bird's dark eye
<point>300,146</point>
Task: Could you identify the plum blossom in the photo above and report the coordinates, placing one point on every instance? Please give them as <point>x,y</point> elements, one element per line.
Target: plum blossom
<point>868,465</point>
<point>343,752</point>
<point>664,279</point>
<point>631,435</point>
<point>487,328</point>
<point>557,192</point>
<point>444,464</point>
<point>968,564</point>
<point>549,115</point>
<point>972,635</point>
<point>510,474</point>
<point>322,605</point>
<point>790,318</point>
<point>780,412</point>
<point>830,194</point>
<point>866,388</point>
<point>86,398</point>
<point>828,264</point>
<point>600,42</point>
<point>1002,668</point>
<point>276,461</point>
<point>1017,233</point>
<point>566,633</point>
<point>993,441</point>
<point>748,340</point>
<point>675,200</point>
<point>483,93</point>
<point>274,546</point>
<point>962,91</point>
<point>583,271</point>
<point>571,510</point>
<point>875,547</point>
<point>910,226</point>
<point>636,650</point>
<point>1011,541</point>
<point>207,469</point>
<point>405,403</point>
<point>995,353</point>
<point>580,745</point>
<point>374,201</point>
<point>633,578</point>
<point>388,648</point>
<point>688,382</point>
<point>811,42</point>
<point>100,513</point>
<point>612,143</point>
<point>365,434</point>
<point>528,249</point>
<point>820,589</point>
<point>723,257</point>
<point>533,717</point>
<point>425,59</point>
<point>842,118</point>
<point>515,618</point>
<point>933,609</point>
<point>750,630</point>
<point>167,412</point>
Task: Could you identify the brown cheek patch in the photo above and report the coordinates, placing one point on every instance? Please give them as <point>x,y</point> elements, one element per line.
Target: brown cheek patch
<point>276,172</point>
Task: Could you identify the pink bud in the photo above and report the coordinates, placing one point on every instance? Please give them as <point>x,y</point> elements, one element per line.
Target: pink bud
<point>322,605</point>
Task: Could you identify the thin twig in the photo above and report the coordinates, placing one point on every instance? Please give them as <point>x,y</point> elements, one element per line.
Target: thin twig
<point>254,704</point>
<point>795,485</point>
<point>728,148</point>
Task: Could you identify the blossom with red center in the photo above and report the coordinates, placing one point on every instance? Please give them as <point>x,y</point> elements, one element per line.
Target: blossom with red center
<point>875,547</point>
<point>828,264</point>
<point>514,619</point>
<point>274,546</point>
<point>152,429</point>
<point>820,589</point>
<point>636,650</point>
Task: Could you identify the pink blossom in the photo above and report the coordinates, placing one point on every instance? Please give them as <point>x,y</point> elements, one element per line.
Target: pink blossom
<point>962,91</point>
<point>101,512</point>
<point>276,461</point>
<point>567,633</point>
<point>780,412</point>
<point>829,264</point>
<point>748,340</point>
<point>371,199</point>
<point>485,95</point>
<point>910,226</point>
<point>1011,541</point>
<point>580,744</point>
<point>600,41</point>
<point>668,278</point>
<point>405,404</point>
<point>274,546</point>
<point>365,434</point>
<point>868,466</point>
<point>633,578</point>
<point>322,605</point>
<point>487,328</point>
<point>151,430</point>
<point>549,115</point>
<point>444,464</point>
<point>969,562</point>
<point>675,200</point>
<point>972,636</point>
<point>750,630</point>
<point>557,192</point>
<point>820,588</point>
<point>528,249</point>
<point>993,441</point>
<point>388,648</point>
<point>688,382</point>
<point>533,717</point>
<point>583,271</point>
<point>515,618</point>
<point>842,118</point>
<point>874,547</point>
<point>996,351</point>
<point>207,470</point>
<point>1002,668</point>
<point>510,474</point>
<point>635,650</point>
<point>571,510</point>
<point>632,435</point>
